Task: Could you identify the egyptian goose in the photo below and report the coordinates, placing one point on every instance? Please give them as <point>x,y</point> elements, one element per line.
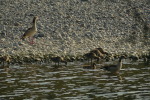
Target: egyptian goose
<point>31,31</point>
<point>114,68</point>
<point>93,66</point>
<point>58,59</point>
<point>98,53</point>
<point>102,51</point>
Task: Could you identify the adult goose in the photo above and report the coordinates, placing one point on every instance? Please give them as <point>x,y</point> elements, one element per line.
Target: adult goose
<point>29,33</point>
<point>114,68</point>
<point>102,51</point>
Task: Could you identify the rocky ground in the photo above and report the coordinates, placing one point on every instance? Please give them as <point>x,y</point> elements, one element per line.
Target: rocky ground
<point>74,27</point>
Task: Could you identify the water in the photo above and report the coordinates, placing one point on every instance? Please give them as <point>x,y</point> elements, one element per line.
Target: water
<point>30,82</point>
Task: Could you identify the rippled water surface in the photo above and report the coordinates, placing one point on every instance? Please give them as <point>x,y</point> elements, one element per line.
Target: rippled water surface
<point>73,82</point>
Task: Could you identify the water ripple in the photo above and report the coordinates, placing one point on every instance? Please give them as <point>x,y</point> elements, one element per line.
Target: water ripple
<point>74,82</point>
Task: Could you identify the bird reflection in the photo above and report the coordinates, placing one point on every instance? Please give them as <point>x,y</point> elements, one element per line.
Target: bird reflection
<point>119,78</point>
<point>117,75</point>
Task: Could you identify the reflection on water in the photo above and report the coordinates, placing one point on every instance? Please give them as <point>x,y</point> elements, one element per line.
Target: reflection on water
<point>74,82</point>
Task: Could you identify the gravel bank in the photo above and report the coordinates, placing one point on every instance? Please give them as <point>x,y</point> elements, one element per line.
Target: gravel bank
<point>74,27</point>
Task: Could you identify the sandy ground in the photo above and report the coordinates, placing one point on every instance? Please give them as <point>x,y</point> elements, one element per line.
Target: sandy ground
<point>74,27</point>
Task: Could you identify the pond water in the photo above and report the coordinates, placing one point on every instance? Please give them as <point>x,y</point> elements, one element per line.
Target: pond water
<point>72,82</point>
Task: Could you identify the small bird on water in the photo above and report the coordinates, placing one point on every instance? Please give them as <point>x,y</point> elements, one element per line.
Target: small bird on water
<point>114,68</point>
<point>31,31</point>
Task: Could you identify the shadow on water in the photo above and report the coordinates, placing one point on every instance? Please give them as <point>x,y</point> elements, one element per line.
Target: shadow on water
<point>73,82</point>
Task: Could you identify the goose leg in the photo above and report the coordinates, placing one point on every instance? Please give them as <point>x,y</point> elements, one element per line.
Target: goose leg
<point>31,40</point>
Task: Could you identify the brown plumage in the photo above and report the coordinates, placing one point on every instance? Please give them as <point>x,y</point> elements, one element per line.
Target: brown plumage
<point>102,51</point>
<point>30,31</point>
<point>98,53</point>
<point>58,59</point>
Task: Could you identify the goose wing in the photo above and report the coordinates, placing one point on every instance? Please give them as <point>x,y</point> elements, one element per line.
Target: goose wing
<point>27,31</point>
